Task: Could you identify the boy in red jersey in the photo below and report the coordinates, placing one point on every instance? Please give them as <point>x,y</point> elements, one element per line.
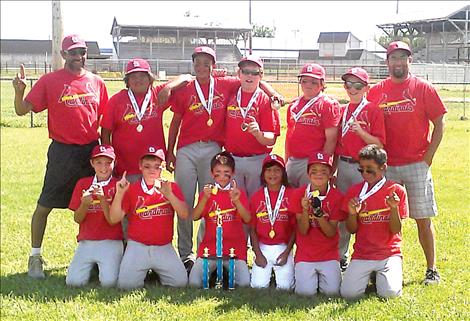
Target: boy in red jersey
<point>225,202</point>
<point>150,204</point>
<point>272,230</point>
<point>376,208</point>
<point>98,242</point>
<point>318,212</point>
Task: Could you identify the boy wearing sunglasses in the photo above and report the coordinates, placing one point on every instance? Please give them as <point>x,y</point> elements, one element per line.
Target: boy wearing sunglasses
<point>376,208</point>
<point>362,123</point>
<point>252,126</point>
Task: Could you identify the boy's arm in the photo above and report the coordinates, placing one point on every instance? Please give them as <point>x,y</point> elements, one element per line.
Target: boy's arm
<point>197,211</point>
<point>22,106</point>
<point>80,213</point>
<point>178,205</point>
<point>105,136</point>
<point>395,220</point>
<point>235,197</point>
<point>282,258</point>
<point>331,135</point>
<point>303,220</point>
<point>172,134</point>
<point>271,92</point>
<point>354,208</point>
<point>116,213</point>
<point>176,83</point>
<point>328,227</point>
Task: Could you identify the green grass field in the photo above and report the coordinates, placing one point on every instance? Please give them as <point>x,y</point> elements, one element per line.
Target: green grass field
<point>23,159</point>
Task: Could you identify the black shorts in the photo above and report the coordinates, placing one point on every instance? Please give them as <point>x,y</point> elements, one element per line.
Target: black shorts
<point>66,164</point>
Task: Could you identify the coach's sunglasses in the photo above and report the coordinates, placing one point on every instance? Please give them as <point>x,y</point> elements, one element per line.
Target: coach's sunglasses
<point>251,72</point>
<point>368,171</point>
<point>355,85</point>
<point>78,51</point>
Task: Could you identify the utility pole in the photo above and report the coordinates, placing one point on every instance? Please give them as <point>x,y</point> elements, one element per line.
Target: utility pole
<point>57,35</point>
<point>250,39</point>
<point>397,6</point>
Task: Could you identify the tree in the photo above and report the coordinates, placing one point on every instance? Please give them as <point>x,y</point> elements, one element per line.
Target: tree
<point>263,31</point>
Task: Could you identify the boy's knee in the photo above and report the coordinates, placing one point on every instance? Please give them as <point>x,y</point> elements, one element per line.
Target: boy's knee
<point>349,293</point>
<point>75,282</point>
<point>305,291</point>
<point>108,282</point>
<point>389,293</point>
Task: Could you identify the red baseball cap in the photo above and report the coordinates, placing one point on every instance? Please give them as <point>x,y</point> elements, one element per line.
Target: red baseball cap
<point>138,64</point>
<point>273,158</point>
<point>357,72</point>
<point>73,41</point>
<point>320,158</point>
<point>395,45</point>
<point>204,50</point>
<point>255,59</point>
<point>313,70</point>
<point>103,150</point>
<point>152,151</point>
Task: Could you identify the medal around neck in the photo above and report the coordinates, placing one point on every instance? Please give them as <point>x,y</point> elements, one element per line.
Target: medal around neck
<point>209,122</point>
<point>244,126</point>
<point>140,128</point>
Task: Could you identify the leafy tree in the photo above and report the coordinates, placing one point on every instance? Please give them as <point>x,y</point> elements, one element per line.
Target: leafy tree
<point>263,31</point>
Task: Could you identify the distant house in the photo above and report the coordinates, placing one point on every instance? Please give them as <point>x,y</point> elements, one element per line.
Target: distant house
<point>16,51</point>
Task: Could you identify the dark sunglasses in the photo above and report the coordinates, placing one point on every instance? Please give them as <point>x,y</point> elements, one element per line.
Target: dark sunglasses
<point>355,85</point>
<point>368,171</point>
<point>251,72</point>
<point>73,52</point>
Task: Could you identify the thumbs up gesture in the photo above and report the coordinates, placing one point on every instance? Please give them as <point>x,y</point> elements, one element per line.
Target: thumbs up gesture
<point>19,82</point>
<point>123,184</point>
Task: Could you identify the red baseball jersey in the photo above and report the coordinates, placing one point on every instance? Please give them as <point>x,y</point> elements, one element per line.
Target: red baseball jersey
<point>185,101</point>
<point>242,143</point>
<point>408,108</point>
<point>316,246</point>
<point>121,119</point>
<point>372,121</point>
<point>232,224</point>
<point>150,216</point>
<point>374,241</point>
<point>74,103</point>
<point>284,225</point>
<point>307,135</point>
<point>94,226</point>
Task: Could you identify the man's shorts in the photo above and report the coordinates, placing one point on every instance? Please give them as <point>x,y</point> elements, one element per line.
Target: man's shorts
<point>417,179</point>
<point>66,164</point>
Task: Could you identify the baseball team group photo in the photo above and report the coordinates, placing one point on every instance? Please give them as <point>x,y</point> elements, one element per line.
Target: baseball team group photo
<point>225,192</point>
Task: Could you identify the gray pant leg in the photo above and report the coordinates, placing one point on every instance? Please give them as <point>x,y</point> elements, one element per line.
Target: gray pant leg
<point>297,171</point>
<point>389,279</point>
<point>134,266</point>
<point>109,257</point>
<point>78,272</point>
<point>356,278</point>
<point>166,263</point>
<point>306,278</point>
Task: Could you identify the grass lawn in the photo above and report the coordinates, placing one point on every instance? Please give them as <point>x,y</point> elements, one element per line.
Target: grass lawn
<point>23,159</point>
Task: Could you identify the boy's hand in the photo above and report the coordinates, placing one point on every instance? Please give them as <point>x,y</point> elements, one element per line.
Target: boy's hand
<point>355,207</point>
<point>123,184</point>
<point>282,258</point>
<point>97,190</point>
<point>392,199</point>
<point>19,82</point>
<point>87,197</point>
<point>164,188</point>
<point>260,260</point>
<point>207,191</point>
<point>234,192</point>
<point>305,204</point>
<point>253,126</point>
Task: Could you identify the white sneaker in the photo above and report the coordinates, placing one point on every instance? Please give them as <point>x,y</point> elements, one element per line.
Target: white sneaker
<point>35,269</point>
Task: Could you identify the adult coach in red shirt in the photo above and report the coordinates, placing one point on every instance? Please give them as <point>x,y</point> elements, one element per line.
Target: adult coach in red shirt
<point>75,99</point>
<point>410,104</point>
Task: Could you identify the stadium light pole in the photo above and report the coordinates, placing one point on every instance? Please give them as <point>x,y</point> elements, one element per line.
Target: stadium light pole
<point>57,35</point>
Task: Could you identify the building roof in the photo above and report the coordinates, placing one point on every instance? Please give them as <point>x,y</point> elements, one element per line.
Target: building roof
<point>40,47</point>
<point>352,54</point>
<point>333,37</point>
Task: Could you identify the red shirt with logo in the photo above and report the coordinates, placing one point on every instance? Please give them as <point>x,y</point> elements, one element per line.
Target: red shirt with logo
<point>307,135</point>
<point>150,216</point>
<point>121,119</point>
<point>371,120</point>
<point>94,226</point>
<point>74,103</point>
<point>185,101</point>
<point>284,225</point>
<point>242,143</point>
<point>374,241</point>
<point>315,246</point>
<point>232,225</point>
<point>408,108</point>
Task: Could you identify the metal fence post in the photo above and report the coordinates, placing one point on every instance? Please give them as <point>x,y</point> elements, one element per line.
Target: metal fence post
<point>31,117</point>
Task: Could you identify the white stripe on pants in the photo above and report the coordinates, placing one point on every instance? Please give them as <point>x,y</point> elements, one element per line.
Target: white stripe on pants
<point>163,260</point>
<point>389,278</point>
<point>260,277</point>
<point>311,277</point>
<point>242,274</point>
<point>106,253</point>
<point>192,168</point>
<point>296,169</point>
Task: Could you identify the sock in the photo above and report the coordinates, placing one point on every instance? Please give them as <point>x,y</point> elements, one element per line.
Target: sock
<point>35,251</point>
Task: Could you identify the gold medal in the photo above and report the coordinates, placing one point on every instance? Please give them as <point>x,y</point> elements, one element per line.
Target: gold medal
<point>244,126</point>
<point>272,234</point>
<point>210,122</point>
<point>214,190</point>
<point>140,128</point>
<point>315,193</point>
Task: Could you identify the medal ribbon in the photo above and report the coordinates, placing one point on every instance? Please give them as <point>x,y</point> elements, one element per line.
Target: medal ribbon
<point>307,192</point>
<point>207,105</point>
<point>363,195</point>
<point>273,214</point>
<point>345,125</point>
<point>140,112</point>
<point>146,190</point>
<point>226,188</point>
<point>244,111</point>
<point>297,116</point>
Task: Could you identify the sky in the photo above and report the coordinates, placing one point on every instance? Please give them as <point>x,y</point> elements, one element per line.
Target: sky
<point>300,19</point>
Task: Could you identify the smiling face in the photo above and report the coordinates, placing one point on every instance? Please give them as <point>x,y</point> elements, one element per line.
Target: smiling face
<point>222,174</point>
<point>138,82</point>
<point>355,88</point>
<point>250,75</point>
<point>371,171</point>
<point>151,168</point>
<point>273,176</point>
<point>319,175</point>
<point>74,59</point>
<point>103,167</point>
<point>398,63</point>
<point>203,65</point>
<point>311,87</point>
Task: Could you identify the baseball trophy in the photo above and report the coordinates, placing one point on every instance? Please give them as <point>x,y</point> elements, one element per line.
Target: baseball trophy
<point>219,249</point>
<point>205,269</point>
<point>231,269</point>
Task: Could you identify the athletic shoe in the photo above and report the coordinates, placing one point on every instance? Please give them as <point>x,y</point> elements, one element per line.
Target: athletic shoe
<point>188,264</point>
<point>432,277</point>
<point>35,269</point>
<point>343,264</point>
